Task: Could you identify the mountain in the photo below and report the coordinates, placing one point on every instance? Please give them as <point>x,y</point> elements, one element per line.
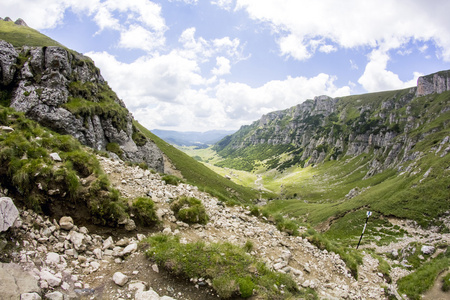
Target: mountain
<point>192,138</point>
<point>63,90</point>
<point>385,151</point>
<point>62,93</point>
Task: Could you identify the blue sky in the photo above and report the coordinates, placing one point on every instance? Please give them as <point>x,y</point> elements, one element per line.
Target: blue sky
<point>195,65</point>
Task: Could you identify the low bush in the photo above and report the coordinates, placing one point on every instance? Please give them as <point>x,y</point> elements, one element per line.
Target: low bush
<point>231,271</point>
<point>143,208</point>
<point>172,179</point>
<point>114,148</point>
<point>189,210</point>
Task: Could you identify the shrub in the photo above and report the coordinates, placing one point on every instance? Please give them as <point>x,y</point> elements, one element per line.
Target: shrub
<point>139,138</point>
<point>144,210</point>
<point>189,210</point>
<point>114,148</point>
<point>172,179</point>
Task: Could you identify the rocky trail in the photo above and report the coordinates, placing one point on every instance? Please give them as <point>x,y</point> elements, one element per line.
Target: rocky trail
<point>64,261</point>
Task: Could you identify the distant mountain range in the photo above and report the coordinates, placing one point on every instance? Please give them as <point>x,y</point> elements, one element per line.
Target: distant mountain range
<point>192,138</point>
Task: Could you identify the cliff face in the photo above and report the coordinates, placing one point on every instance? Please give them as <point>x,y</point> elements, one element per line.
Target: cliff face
<point>64,91</point>
<point>386,124</point>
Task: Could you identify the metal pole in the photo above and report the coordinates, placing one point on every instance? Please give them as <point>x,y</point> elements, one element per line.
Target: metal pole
<point>364,229</point>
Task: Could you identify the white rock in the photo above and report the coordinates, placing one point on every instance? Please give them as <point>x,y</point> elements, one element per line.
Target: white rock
<point>120,278</point>
<point>55,156</point>
<point>8,213</point>
<point>51,279</point>
<point>52,258</point>
<point>30,296</point>
<point>137,285</point>
<point>65,286</point>
<point>66,223</point>
<point>98,253</point>
<point>77,239</point>
<point>108,243</point>
<point>155,268</point>
<point>129,249</point>
<point>427,249</point>
<point>146,295</point>
<point>167,231</point>
<point>54,296</point>
<point>94,265</point>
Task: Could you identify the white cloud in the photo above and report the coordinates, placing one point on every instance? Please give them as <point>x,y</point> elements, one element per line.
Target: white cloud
<point>137,37</point>
<point>376,77</point>
<point>352,23</point>
<point>223,66</point>
<point>224,4</point>
<point>327,48</point>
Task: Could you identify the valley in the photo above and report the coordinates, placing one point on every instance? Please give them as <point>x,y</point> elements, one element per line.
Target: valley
<point>274,210</point>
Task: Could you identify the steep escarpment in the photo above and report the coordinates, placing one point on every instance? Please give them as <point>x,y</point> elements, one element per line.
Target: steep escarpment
<point>387,125</point>
<point>64,91</point>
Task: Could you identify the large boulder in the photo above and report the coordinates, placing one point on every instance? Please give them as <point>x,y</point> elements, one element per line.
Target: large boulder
<point>14,281</point>
<point>8,58</point>
<point>8,213</point>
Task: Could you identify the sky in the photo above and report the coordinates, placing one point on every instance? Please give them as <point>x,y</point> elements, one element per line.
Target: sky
<point>197,65</point>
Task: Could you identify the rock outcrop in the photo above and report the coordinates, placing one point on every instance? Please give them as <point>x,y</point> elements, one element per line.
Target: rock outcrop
<point>331,128</point>
<point>64,91</point>
<point>8,213</point>
<point>434,83</point>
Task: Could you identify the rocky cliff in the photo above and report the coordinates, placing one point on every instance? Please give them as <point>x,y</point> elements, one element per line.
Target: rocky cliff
<point>385,124</point>
<point>64,91</point>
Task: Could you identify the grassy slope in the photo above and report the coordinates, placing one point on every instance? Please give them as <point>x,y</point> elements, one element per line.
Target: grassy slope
<point>20,36</point>
<point>201,176</point>
<point>317,194</point>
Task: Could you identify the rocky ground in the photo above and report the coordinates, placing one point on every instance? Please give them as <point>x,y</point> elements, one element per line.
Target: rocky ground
<point>64,261</point>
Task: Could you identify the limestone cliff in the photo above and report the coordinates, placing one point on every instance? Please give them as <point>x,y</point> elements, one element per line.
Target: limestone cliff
<point>385,125</point>
<point>64,91</point>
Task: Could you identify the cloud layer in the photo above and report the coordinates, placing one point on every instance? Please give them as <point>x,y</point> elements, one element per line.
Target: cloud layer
<point>187,84</point>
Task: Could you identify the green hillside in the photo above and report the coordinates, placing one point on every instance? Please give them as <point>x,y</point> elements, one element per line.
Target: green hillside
<point>406,177</point>
<point>197,174</point>
<point>20,36</point>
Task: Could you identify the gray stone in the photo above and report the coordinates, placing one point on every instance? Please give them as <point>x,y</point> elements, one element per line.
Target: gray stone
<point>427,250</point>
<point>146,295</point>
<point>77,239</point>
<point>129,249</point>
<point>120,278</point>
<point>30,296</point>
<point>8,58</point>
<point>52,258</point>
<point>8,213</point>
<point>51,279</point>
<point>66,223</point>
<point>108,243</point>
<point>14,282</point>
<point>54,296</point>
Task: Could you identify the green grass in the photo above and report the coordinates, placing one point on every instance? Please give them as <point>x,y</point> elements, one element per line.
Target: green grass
<point>229,268</point>
<point>418,282</point>
<point>199,175</point>
<point>20,36</point>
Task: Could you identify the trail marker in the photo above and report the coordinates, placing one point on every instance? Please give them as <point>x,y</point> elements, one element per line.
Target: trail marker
<point>369,213</point>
